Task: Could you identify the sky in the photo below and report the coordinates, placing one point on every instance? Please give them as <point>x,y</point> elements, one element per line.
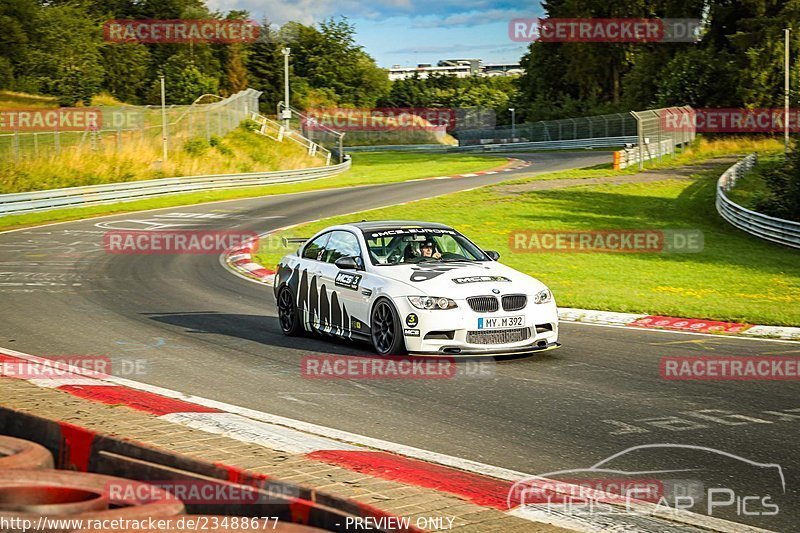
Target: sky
<point>409,32</point>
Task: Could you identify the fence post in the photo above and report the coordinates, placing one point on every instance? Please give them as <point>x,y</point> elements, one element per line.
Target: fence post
<point>640,135</point>
<point>658,126</point>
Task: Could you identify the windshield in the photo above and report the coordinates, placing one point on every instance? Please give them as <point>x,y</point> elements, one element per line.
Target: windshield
<point>391,246</point>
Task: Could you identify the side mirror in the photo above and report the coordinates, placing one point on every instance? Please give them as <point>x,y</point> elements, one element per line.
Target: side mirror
<point>494,256</point>
<point>347,263</point>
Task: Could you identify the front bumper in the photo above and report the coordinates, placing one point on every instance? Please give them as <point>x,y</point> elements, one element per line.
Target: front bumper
<point>450,332</point>
<point>494,351</point>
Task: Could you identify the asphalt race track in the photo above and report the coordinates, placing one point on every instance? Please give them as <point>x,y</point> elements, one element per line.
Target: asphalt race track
<point>201,330</point>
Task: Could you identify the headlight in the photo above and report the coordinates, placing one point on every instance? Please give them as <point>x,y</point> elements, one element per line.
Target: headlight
<point>431,302</point>
<point>542,297</point>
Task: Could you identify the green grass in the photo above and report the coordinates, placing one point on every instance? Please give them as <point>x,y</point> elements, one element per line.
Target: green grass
<point>14,100</point>
<point>368,169</point>
<point>736,277</point>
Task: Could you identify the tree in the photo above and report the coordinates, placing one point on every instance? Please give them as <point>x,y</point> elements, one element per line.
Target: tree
<point>64,58</point>
<point>701,77</point>
<point>264,63</point>
<point>17,18</point>
<point>126,67</point>
<point>328,58</point>
<point>185,81</point>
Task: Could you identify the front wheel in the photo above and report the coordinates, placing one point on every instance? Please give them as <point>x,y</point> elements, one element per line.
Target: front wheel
<point>287,313</point>
<point>387,333</point>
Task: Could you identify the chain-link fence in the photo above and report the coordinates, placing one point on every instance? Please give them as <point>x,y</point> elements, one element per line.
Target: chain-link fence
<point>614,125</point>
<point>136,128</point>
<point>659,131</point>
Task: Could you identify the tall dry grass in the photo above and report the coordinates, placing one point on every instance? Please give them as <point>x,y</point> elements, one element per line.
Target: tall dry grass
<point>133,160</point>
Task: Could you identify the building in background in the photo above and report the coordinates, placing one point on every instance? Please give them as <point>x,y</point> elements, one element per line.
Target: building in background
<point>461,68</point>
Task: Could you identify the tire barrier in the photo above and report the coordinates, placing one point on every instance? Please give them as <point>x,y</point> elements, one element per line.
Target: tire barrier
<point>109,457</point>
<point>23,454</point>
<point>58,493</point>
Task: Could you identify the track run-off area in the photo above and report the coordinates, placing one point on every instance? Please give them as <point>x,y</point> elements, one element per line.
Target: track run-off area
<point>194,327</point>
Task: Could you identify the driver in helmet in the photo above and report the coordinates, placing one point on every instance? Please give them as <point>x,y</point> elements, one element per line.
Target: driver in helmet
<point>428,249</point>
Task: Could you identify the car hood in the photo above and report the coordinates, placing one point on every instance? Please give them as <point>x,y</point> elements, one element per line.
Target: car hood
<point>459,280</point>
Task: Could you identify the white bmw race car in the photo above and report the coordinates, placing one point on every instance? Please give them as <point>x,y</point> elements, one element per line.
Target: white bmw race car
<point>412,287</point>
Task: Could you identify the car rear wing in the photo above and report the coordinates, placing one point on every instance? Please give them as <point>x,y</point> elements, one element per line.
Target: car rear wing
<point>293,240</point>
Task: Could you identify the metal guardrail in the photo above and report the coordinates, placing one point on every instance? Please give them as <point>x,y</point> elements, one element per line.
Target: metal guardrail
<point>30,202</point>
<point>399,148</point>
<point>599,142</point>
<point>773,229</point>
<point>567,144</point>
<point>637,154</point>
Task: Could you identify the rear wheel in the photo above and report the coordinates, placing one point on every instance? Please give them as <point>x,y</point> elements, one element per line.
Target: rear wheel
<point>387,333</point>
<point>287,313</point>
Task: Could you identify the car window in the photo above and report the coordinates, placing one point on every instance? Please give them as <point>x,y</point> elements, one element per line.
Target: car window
<point>399,245</point>
<point>342,244</point>
<point>315,248</point>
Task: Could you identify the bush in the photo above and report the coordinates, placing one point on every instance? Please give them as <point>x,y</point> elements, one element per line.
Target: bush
<point>196,147</point>
<point>783,183</point>
<point>217,143</point>
<point>250,125</point>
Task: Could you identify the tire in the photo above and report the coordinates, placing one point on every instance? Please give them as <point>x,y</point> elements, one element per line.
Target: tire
<point>64,493</point>
<point>386,331</point>
<point>23,454</point>
<point>288,317</point>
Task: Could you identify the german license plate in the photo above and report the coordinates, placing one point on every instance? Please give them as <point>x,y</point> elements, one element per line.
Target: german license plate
<point>501,322</point>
